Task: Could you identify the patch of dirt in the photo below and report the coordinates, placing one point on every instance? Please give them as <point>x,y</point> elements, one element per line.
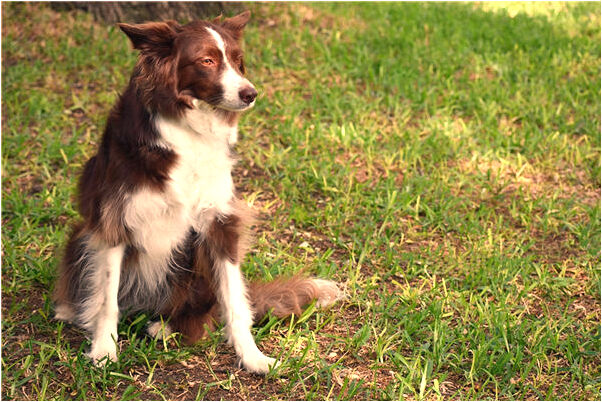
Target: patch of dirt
<point>554,248</point>
<point>370,173</point>
<point>564,182</point>
<point>187,379</point>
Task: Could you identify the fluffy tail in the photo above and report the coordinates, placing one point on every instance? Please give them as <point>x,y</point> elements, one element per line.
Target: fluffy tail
<point>288,296</point>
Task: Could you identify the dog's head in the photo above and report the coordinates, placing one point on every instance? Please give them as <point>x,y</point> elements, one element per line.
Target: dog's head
<point>200,61</point>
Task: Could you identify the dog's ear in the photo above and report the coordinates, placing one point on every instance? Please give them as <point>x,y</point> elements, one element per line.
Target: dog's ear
<point>157,37</point>
<point>236,24</point>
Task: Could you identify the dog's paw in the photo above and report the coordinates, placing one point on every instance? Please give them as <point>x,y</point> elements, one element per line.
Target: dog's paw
<point>160,330</point>
<point>258,363</point>
<point>103,352</point>
<point>329,292</point>
<point>64,312</point>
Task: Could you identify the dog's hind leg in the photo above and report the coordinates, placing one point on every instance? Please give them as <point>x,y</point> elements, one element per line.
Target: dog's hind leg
<point>192,305</point>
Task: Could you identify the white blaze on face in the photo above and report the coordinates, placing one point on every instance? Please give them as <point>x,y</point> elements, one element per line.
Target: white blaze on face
<point>232,82</point>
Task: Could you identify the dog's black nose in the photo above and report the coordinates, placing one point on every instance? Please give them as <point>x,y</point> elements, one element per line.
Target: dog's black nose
<point>247,95</point>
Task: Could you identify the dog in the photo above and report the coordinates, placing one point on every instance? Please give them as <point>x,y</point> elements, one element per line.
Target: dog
<point>162,229</point>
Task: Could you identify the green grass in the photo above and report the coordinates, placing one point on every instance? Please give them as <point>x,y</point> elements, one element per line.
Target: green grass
<point>441,160</point>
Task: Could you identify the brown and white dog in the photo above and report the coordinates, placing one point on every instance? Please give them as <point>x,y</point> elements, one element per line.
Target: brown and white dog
<point>162,230</point>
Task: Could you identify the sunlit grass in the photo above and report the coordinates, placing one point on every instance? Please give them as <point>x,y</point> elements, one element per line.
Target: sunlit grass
<point>442,161</point>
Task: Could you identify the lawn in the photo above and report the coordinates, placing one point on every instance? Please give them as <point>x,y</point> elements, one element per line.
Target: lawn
<point>441,160</point>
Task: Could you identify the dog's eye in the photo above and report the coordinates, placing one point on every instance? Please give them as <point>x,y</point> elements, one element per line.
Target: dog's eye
<point>207,62</point>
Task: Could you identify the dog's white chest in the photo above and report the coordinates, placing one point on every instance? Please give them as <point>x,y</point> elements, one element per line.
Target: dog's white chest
<point>199,188</point>
<point>201,178</point>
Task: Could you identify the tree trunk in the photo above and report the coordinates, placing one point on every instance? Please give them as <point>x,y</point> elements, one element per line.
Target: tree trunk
<point>137,12</point>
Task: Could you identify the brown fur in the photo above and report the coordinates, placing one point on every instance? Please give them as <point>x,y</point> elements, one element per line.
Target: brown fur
<point>283,296</point>
<point>192,308</point>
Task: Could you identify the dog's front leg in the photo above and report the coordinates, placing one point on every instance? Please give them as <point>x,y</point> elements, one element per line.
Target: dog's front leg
<point>238,317</point>
<point>100,311</point>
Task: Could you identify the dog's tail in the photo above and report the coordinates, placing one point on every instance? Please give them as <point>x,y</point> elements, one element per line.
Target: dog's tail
<point>286,296</point>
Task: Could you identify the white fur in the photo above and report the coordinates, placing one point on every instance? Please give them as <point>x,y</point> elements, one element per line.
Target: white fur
<point>201,180</point>
<point>238,318</point>
<point>232,81</point>
<point>103,303</point>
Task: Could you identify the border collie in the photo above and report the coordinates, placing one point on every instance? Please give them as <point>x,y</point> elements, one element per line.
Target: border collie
<point>162,230</point>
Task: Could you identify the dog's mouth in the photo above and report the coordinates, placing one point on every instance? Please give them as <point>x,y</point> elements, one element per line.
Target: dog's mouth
<point>201,104</point>
<point>218,102</point>
<point>239,108</point>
